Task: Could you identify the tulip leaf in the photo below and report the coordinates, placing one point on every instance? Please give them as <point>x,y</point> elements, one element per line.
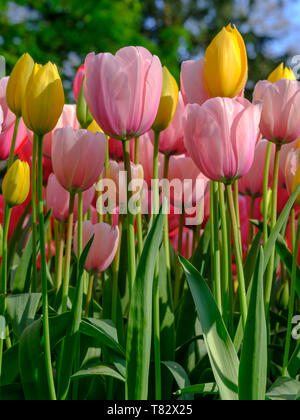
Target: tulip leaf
<point>284,389</point>
<point>209,388</point>
<point>180,377</point>
<point>222,355</point>
<point>140,317</point>
<point>254,358</point>
<point>287,259</point>
<point>100,370</point>
<point>21,310</point>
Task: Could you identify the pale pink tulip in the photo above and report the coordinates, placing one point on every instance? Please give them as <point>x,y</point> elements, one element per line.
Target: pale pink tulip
<point>252,183</point>
<point>78,157</point>
<point>280,118</point>
<point>171,140</point>
<point>221,135</point>
<point>104,246</point>
<point>192,82</point>
<point>8,125</point>
<point>284,153</point>
<point>58,199</point>
<point>123,91</point>
<point>292,165</point>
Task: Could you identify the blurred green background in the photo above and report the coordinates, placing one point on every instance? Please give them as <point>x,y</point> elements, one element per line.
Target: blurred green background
<point>64,31</point>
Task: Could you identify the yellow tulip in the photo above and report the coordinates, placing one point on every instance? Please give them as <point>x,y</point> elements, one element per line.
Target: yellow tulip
<point>17,84</point>
<point>296,182</point>
<point>44,99</point>
<point>94,127</point>
<point>281,72</point>
<point>16,183</point>
<point>168,102</point>
<point>226,64</point>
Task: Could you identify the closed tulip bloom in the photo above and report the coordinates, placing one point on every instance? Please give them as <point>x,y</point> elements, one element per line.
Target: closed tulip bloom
<point>226,64</point>
<point>281,72</point>
<point>58,199</point>
<point>280,119</point>
<point>16,183</point>
<point>78,81</point>
<point>192,82</point>
<point>123,91</point>
<point>44,99</point>
<point>252,183</point>
<point>17,83</point>
<point>8,125</point>
<point>104,246</point>
<point>292,171</point>
<point>171,141</point>
<point>168,102</point>
<point>78,158</point>
<point>284,153</point>
<point>221,135</point>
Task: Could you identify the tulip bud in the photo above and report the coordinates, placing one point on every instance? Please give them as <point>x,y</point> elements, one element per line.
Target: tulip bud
<point>281,72</point>
<point>283,297</point>
<point>17,84</point>
<point>226,64</point>
<point>269,204</point>
<point>168,102</point>
<point>82,111</point>
<point>16,183</point>
<point>44,99</point>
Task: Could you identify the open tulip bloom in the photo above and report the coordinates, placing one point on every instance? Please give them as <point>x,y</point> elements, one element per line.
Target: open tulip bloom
<point>150,235</point>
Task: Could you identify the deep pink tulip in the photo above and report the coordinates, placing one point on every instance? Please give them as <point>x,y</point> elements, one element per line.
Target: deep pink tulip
<point>280,118</point>
<point>146,157</point>
<point>8,125</point>
<point>252,183</point>
<point>192,184</point>
<point>221,135</point>
<point>171,140</point>
<point>123,91</point>
<point>78,81</point>
<point>104,246</point>
<point>68,118</point>
<point>116,149</point>
<point>78,157</point>
<point>58,199</point>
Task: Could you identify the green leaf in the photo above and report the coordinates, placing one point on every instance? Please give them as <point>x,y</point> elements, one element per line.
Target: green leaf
<point>11,392</point>
<point>100,370</point>
<point>210,389</point>
<point>254,359</point>
<point>287,259</point>
<point>222,354</point>
<point>10,366</point>
<point>294,363</point>
<point>285,389</point>
<point>140,317</point>
<point>21,310</point>
<point>180,376</point>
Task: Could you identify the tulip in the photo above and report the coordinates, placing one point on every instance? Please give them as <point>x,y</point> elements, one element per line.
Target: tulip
<point>220,136</point>
<point>171,140</point>
<point>82,111</point>
<point>168,102</point>
<point>192,82</point>
<point>17,83</point>
<point>292,172</point>
<point>44,99</point>
<point>77,158</point>
<point>104,246</point>
<point>16,183</point>
<point>281,72</point>
<point>146,156</point>
<point>252,183</point>
<point>116,149</point>
<point>284,154</point>
<point>78,81</point>
<point>1,119</point>
<point>58,199</point>
<point>226,64</point>
<point>123,91</point>
<point>280,119</point>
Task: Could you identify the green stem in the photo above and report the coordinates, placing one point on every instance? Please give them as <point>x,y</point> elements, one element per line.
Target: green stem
<point>166,239</point>
<point>225,253</point>
<point>89,296</point>
<point>293,228</point>
<point>115,284</point>
<point>79,229</point>
<point>46,331</point>
<point>137,150</point>
<point>60,259</point>
<point>33,213</point>
<point>178,273</point>
<point>251,227</point>
<point>66,279</point>
<point>155,204</point>
<point>265,191</point>
<point>139,220</point>
<point>156,331</point>
<point>216,242</point>
<point>130,220</point>
<point>270,272</point>
<point>13,143</point>
<point>292,302</point>
<point>237,211</point>
<point>238,255</point>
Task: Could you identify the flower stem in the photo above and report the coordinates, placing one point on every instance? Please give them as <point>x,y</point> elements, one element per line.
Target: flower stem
<point>225,265</point>
<point>251,227</point>
<point>166,240</point>
<point>265,191</point>
<point>46,331</point>
<point>61,247</point>
<point>239,260</point>
<point>115,284</point>
<point>13,143</point>
<point>33,213</point>
<point>237,211</point>
<point>139,220</point>
<point>215,244</point>
<point>178,273</point>
<point>66,279</point>
<point>155,204</point>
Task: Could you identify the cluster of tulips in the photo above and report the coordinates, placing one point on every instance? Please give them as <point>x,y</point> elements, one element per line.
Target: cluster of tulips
<point>238,164</point>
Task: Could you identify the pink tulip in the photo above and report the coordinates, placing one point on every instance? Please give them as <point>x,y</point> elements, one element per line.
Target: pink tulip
<point>78,82</point>
<point>123,91</point>
<point>78,158</point>
<point>146,157</point>
<point>116,149</point>
<point>292,165</point>
<point>280,118</point>
<point>58,199</point>
<point>191,184</point>
<point>104,246</point>
<point>171,140</point>
<point>252,183</point>
<point>68,118</point>
<point>284,153</point>
<point>192,82</point>
<point>221,135</point>
<point>8,125</point>
<point>187,242</point>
